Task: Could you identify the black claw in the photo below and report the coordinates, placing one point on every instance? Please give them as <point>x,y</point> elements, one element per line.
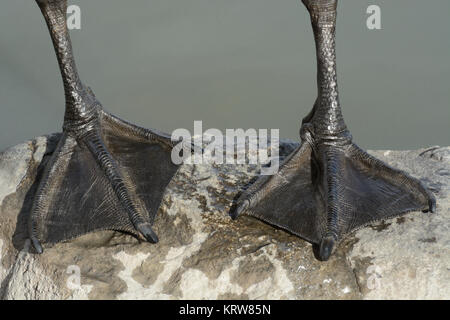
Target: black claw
<point>239,210</point>
<point>148,233</point>
<point>432,204</point>
<point>37,245</point>
<point>326,248</point>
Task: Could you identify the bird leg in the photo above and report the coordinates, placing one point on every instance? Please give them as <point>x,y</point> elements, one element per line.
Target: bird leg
<point>328,186</point>
<point>105,174</point>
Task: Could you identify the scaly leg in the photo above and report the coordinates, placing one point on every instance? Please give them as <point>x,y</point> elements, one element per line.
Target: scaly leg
<point>105,172</point>
<point>329,187</point>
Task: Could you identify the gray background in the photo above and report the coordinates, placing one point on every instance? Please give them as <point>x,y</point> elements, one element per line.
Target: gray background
<point>233,63</point>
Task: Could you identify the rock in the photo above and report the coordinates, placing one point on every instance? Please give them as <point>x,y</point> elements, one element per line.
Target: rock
<point>203,254</point>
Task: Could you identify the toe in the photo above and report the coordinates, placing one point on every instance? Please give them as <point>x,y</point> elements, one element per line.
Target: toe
<point>148,233</point>
<point>37,245</point>
<point>240,208</point>
<point>432,204</point>
<point>326,248</point>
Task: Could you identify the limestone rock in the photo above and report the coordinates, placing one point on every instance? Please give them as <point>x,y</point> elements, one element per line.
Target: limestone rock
<point>203,254</point>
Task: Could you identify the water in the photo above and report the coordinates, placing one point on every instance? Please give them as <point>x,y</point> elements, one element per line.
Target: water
<point>247,63</point>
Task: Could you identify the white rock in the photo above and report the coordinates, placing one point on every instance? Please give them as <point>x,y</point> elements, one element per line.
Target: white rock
<point>203,254</point>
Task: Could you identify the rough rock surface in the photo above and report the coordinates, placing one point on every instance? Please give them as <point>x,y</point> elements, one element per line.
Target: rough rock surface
<point>203,254</point>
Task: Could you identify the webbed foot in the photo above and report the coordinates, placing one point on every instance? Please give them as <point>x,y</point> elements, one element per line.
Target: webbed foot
<point>324,191</point>
<point>328,186</point>
<point>105,172</point>
<point>112,176</point>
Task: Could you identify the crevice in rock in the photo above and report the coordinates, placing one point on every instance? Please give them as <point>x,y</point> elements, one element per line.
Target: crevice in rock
<point>358,285</point>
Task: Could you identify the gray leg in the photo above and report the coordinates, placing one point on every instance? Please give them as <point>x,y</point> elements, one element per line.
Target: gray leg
<point>105,173</point>
<point>329,187</point>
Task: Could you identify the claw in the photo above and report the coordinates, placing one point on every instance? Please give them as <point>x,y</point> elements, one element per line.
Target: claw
<point>148,233</point>
<point>37,245</point>
<point>326,248</point>
<point>239,209</point>
<point>432,204</point>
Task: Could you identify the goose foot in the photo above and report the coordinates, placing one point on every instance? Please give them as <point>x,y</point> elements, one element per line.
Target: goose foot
<point>107,175</point>
<point>324,190</point>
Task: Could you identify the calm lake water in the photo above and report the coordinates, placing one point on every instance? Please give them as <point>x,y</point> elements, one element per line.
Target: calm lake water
<point>233,64</point>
